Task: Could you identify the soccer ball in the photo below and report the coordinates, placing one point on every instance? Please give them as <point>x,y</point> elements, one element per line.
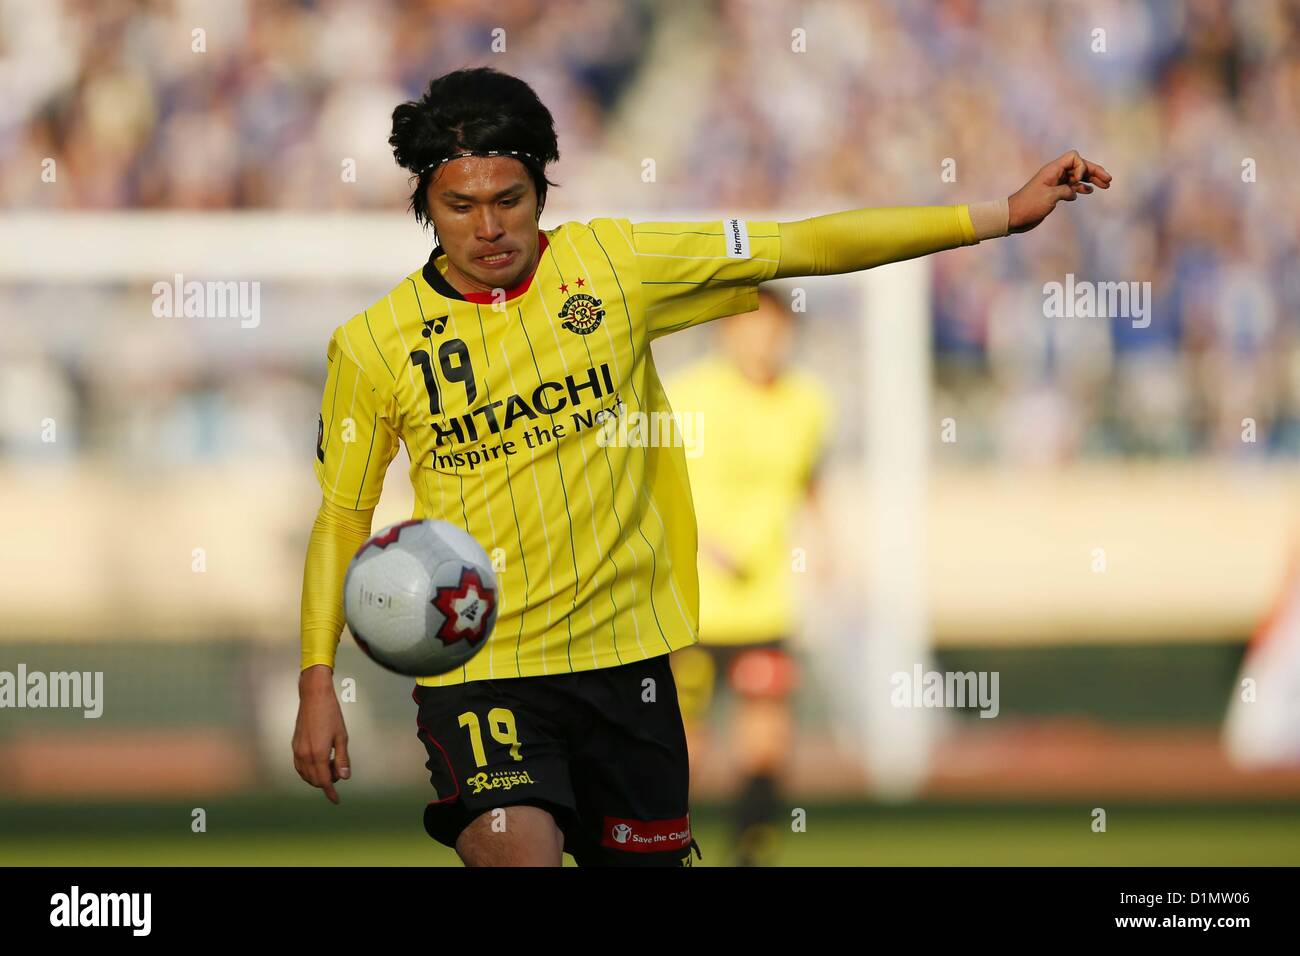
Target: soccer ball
<point>421,597</point>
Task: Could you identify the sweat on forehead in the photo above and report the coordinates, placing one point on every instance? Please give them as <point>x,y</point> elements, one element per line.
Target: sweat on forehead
<point>480,175</point>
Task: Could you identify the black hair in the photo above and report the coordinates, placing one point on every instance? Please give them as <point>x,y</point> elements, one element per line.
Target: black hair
<point>472,109</point>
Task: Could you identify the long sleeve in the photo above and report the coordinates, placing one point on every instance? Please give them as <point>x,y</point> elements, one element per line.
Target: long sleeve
<point>335,537</point>
<point>356,435</point>
<point>862,238</point>
<point>694,272</point>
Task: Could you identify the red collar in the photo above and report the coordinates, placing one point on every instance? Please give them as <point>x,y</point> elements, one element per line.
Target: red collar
<point>445,289</point>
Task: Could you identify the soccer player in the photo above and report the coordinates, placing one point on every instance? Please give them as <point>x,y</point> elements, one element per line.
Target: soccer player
<point>762,430</point>
<point>563,733</point>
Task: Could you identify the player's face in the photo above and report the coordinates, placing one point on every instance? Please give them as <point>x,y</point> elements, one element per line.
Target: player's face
<point>485,211</point>
<point>758,342</point>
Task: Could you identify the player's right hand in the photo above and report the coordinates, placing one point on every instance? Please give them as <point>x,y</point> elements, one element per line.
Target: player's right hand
<point>320,731</point>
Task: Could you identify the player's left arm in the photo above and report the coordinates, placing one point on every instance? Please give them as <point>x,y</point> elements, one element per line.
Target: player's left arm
<point>864,238</point>
<point>693,272</point>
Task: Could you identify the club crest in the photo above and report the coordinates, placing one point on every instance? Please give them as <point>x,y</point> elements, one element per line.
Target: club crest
<point>581,313</point>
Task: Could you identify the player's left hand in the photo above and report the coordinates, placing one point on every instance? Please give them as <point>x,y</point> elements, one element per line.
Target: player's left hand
<point>1063,179</point>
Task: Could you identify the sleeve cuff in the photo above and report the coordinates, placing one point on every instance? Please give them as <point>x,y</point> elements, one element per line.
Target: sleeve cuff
<point>991,219</point>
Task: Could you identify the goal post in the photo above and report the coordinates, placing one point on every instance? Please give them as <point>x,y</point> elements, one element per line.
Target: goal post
<point>896,367</point>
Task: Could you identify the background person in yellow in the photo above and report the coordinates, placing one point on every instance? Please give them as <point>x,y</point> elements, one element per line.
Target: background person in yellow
<point>748,490</point>
<point>491,362</point>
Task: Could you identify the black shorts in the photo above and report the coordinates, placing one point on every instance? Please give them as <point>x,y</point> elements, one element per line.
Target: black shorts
<point>603,751</point>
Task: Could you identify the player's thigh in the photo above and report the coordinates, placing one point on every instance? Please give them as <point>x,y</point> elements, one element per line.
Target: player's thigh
<point>517,835</point>
<point>630,770</point>
<point>492,745</point>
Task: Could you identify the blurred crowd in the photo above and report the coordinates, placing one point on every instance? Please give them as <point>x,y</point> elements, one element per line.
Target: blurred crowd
<point>217,104</point>
<point>1193,105</point>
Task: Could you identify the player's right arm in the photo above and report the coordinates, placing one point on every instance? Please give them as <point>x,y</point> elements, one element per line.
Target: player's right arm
<point>355,443</point>
<point>336,536</point>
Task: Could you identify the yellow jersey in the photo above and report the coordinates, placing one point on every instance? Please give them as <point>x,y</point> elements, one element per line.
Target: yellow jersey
<point>747,490</point>
<point>505,409</point>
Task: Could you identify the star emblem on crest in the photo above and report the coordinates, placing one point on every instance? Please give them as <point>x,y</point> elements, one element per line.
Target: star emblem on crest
<point>466,608</point>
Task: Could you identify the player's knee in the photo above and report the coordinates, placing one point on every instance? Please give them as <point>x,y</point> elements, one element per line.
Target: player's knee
<point>512,836</point>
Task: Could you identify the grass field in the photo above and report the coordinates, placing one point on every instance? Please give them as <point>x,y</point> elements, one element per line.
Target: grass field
<point>285,831</point>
